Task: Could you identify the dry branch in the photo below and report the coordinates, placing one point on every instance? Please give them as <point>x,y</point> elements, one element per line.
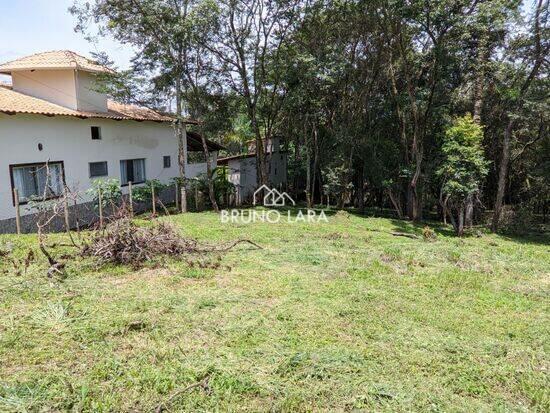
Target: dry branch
<point>123,242</point>
<point>404,234</point>
<point>202,384</point>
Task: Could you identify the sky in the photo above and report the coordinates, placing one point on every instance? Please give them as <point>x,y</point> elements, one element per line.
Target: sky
<point>32,26</point>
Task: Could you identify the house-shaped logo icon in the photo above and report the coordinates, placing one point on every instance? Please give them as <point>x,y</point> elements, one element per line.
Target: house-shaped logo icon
<point>273,197</point>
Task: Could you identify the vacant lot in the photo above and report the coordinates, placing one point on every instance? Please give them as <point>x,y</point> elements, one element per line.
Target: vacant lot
<point>327,317</point>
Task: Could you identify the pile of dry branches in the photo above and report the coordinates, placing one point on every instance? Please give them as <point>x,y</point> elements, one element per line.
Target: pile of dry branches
<point>124,242</point>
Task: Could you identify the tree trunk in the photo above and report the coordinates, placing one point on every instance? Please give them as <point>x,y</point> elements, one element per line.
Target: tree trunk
<point>308,167</point>
<point>211,193</point>
<point>502,172</point>
<point>182,146</point>
<point>298,159</point>
<point>261,164</point>
<point>396,204</point>
<point>469,214</point>
<point>413,202</point>
<point>483,53</point>
<point>361,190</point>
<point>315,164</point>
<point>308,174</point>
<point>445,210</point>
<point>460,223</point>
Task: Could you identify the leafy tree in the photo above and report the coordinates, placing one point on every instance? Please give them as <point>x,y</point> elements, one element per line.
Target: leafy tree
<point>360,91</point>
<point>463,169</point>
<point>159,31</point>
<point>536,46</point>
<point>337,186</point>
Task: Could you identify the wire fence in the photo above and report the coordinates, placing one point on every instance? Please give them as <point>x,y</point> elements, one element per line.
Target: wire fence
<point>76,209</point>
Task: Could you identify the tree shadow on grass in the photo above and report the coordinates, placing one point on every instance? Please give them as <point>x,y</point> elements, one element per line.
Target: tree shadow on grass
<point>535,238</point>
<point>409,227</point>
<point>403,225</point>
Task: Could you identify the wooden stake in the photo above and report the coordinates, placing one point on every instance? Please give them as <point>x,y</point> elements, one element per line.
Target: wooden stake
<point>153,198</point>
<point>17,211</point>
<point>177,197</point>
<point>131,199</point>
<point>66,211</point>
<point>100,199</point>
<point>197,198</point>
<point>183,192</point>
<point>76,218</point>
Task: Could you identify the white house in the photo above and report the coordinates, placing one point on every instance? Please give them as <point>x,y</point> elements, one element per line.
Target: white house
<point>242,171</point>
<point>51,114</point>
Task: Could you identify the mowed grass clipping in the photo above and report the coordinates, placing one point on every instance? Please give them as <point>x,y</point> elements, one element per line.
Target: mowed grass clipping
<point>336,316</point>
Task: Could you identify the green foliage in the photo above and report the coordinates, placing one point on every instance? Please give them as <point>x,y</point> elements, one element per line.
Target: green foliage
<point>464,165</point>
<point>378,81</point>
<point>222,187</point>
<point>336,182</point>
<point>111,192</point>
<point>144,192</point>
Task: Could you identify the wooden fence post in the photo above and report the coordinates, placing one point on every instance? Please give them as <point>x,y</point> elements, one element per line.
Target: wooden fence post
<point>131,199</point>
<point>100,200</point>
<point>177,197</point>
<point>196,198</point>
<point>17,211</point>
<point>153,198</point>
<point>66,211</point>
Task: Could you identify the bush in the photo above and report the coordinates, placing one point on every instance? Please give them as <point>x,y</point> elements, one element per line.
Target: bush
<point>518,219</point>
<point>222,187</point>
<point>110,191</point>
<point>144,192</point>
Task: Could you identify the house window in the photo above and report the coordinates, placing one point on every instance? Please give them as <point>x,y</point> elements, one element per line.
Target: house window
<point>96,133</point>
<point>132,170</point>
<point>167,162</point>
<point>37,181</point>
<point>98,169</point>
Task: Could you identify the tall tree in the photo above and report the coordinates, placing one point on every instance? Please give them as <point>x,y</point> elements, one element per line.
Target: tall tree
<point>247,43</point>
<point>537,48</point>
<point>157,30</point>
<point>463,168</point>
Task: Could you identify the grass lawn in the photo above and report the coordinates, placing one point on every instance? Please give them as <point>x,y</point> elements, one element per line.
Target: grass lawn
<point>328,317</point>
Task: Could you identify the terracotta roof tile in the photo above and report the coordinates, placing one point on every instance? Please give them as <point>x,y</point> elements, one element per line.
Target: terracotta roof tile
<point>59,59</point>
<point>12,102</point>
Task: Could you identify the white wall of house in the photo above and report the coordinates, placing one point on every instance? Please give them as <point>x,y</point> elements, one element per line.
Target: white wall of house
<point>89,100</point>
<point>242,174</point>
<point>196,169</point>
<point>56,86</point>
<point>69,140</point>
<point>277,169</point>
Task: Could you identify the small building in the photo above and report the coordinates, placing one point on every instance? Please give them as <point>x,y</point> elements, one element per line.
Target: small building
<point>53,114</point>
<point>242,170</point>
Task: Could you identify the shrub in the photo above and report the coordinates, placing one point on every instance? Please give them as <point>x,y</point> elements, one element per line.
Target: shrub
<point>144,192</point>
<point>110,191</point>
